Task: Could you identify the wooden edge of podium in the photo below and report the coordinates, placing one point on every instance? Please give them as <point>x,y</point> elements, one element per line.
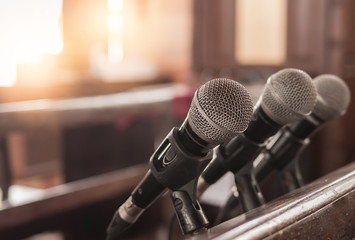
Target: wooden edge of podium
<point>72,195</point>
<point>323,209</point>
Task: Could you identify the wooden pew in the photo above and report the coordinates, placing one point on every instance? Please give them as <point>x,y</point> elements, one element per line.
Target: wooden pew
<point>16,219</point>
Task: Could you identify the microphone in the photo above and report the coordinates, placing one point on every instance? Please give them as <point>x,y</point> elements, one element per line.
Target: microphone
<point>288,96</point>
<point>220,110</point>
<point>283,150</point>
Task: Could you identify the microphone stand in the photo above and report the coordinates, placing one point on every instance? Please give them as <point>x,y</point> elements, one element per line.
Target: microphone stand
<point>275,155</point>
<point>249,192</point>
<point>188,210</point>
<point>283,154</point>
<point>178,170</point>
<point>246,194</point>
<point>291,176</point>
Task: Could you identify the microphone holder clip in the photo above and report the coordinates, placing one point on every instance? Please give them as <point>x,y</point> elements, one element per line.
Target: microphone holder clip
<point>249,192</point>
<point>188,210</point>
<point>176,168</point>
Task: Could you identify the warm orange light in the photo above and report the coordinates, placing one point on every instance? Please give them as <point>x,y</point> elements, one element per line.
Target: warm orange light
<point>115,31</point>
<point>115,24</point>
<point>29,30</point>
<point>8,73</point>
<point>27,48</point>
<point>115,5</point>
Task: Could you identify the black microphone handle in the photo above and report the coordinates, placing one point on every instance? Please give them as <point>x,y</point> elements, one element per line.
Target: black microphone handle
<point>234,154</point>
<point>306,127</point>
<point>261,126</point>
<point>283,148</point>
<point>231,156</point>
<point>146,192</point>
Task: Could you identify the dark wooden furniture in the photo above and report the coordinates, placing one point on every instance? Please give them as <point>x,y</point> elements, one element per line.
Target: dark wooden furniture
<point>80,209</point>
<point>69,136</point>
<point>323,209</point>
<point>75,138</point>
<point>70,196</point>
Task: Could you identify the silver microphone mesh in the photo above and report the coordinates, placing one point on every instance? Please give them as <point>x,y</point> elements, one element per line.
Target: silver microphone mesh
<point>220,110</point>
<point>288,96</point>
<point>333,97</point>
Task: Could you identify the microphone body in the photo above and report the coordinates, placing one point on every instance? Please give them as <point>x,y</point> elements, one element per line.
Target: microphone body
<point>288,96</point>
<point>332,101</point>
<point>283,150</point>
<point>244,147</point>
<point>169,162</point>
<point>284,146</point>
<point>186,151</point>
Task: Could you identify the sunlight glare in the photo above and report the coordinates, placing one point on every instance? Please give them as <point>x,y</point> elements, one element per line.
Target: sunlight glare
<point>115,31</point>
<point>29,29</point>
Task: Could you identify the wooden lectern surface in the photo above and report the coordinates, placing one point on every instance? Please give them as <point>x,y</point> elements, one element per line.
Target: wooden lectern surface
<point>323,209</point>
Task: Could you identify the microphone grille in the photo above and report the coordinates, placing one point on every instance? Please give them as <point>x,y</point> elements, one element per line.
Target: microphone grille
<point>333,97</point>
<point>288,96</point>
<point>220,110</point>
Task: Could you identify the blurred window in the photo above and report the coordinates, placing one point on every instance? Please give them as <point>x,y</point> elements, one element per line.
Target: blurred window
<point>260,35</point>
<point>29,29</point>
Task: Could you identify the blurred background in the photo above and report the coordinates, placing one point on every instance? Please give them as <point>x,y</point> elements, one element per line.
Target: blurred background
<point>88,90</point>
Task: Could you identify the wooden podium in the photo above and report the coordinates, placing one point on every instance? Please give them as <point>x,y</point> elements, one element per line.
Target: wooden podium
<point>323,209</point>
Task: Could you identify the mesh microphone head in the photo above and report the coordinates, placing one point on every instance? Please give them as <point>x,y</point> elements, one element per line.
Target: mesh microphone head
<point>333,97</point>
<point>288,96</point>
<point>220,110</point>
